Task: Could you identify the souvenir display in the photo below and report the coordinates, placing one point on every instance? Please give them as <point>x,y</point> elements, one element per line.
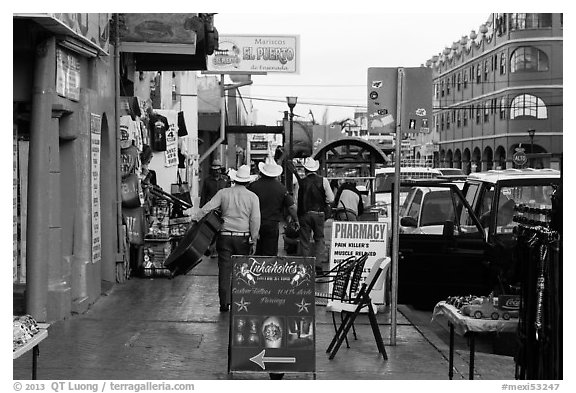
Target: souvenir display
<point>24,328</point>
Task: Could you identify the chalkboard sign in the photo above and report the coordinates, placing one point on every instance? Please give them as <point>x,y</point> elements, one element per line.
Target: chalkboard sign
<point>272,318</point>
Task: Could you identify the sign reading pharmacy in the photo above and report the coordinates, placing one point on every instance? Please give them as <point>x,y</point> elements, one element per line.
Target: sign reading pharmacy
<point>354,239</point>
<point>272,315</point>
<point>247,54</point>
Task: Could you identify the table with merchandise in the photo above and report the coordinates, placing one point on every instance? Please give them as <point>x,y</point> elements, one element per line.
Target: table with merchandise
<point>27,335</point>
<point>470,326</point>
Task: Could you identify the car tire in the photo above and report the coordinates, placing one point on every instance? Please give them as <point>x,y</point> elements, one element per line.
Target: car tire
<point>478,314</point>
<point>494,315</point>
<point>506,316</point>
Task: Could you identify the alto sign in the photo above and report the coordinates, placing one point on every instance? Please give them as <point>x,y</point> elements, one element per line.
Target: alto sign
<point>519,158</point>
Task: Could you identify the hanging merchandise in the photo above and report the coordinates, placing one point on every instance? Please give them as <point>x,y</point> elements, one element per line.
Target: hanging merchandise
<point>182,141</point>
<point>129,131</point>
<point>171,151</point>
<point>158,126</point>
<point>181,190</point>
<point>539,252</point>
<point>129,160</point>
<point>134,221</point>
<point>131,191</point>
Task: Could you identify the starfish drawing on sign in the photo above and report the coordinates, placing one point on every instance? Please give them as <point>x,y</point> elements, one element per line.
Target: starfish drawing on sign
<point>302,306</point>
<point>242,304</point>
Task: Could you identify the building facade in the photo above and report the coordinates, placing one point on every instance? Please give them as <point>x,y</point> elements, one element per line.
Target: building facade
<point>70,72</point>
<point>499,92</point>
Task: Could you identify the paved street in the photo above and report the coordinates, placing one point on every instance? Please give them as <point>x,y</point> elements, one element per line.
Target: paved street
<point>162,329</point>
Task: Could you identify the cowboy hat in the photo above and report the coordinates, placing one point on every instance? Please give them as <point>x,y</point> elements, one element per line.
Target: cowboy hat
<point>311,164</point>
<point>270,168</point>
<point>216,164</point>
<point>242,175</point>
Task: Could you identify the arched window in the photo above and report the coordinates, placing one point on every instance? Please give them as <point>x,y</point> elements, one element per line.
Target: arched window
<point>528,105</point>
<point>528,59</point>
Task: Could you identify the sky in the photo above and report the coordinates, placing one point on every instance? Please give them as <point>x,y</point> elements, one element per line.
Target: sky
<point>336,50</point>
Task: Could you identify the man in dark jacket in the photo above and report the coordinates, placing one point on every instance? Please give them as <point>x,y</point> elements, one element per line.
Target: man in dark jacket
<point>214,182</point>
<point>314,194</point>
<point>273,198</point>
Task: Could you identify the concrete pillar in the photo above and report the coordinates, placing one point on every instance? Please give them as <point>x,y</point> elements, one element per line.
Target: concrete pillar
<point>38,180</point>
<point>82,272</point>
<point>59,293</point>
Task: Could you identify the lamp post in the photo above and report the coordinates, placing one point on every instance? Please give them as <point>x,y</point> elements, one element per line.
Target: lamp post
<point>531,133</point>
<point>291,104</point>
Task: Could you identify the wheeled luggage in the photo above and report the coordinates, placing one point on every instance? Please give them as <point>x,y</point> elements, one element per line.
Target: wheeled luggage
<point>195,242</point>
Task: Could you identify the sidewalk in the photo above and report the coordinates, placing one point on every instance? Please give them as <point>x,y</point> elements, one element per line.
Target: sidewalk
<point>171,329</point>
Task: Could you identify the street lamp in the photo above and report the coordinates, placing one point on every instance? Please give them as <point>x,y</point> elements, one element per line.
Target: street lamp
<point>291,104</point>
<point>531,133</point>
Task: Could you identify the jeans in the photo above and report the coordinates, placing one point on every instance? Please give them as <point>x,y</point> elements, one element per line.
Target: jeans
<point>226,247</point>
<point>268,238</point>
<point>312,222</point>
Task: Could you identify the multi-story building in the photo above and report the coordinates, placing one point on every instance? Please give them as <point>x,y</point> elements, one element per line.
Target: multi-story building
<point>498,92</point>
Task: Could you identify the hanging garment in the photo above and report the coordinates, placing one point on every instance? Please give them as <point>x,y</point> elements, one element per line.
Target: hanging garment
<point>158,125</point>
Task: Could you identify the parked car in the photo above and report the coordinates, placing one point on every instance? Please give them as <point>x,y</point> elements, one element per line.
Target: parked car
<point>473,254</point>
<point>425,210</point>
<point>383,188</point>
<point>452,174</point>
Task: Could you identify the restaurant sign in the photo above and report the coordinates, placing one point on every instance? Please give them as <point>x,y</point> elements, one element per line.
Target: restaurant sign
<point>272,315</point>
<point>247,54</point>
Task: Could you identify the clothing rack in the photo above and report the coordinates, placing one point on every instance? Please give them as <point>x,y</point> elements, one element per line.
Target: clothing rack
<point>539,255</point>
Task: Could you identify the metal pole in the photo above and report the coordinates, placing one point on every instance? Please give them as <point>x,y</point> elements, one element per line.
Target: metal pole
<point>395,210</point>
<point>291,154</point>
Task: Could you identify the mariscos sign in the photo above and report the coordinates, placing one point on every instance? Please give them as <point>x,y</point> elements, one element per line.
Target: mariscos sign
<point>247,54</point>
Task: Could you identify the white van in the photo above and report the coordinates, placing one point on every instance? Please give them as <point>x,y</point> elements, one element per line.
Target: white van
<point>383,187</point>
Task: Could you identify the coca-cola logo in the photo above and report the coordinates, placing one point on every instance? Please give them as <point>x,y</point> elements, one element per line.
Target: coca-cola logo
<point>511,303</point>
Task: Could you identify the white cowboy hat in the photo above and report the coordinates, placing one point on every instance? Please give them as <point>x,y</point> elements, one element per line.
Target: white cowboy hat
<point>242,175</point>
<point>311,164</point>
<point>216,164</point>
<point>270,168</point>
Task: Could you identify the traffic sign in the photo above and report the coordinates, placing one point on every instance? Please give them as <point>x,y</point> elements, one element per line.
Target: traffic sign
<point>519,157</point>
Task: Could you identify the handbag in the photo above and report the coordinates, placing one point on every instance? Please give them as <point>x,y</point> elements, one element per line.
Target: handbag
<point>181,190</point>
<point>131,191</point>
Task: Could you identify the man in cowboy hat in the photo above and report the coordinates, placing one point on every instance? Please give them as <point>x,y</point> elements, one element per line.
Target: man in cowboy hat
<point>241,214</point>
<point>214,182</point>
<point>273,198</point>
<point>314,194</point>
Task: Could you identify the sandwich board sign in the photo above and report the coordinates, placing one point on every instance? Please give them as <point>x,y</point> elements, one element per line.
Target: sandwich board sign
<point>272,315</point>
<point>354,239</point>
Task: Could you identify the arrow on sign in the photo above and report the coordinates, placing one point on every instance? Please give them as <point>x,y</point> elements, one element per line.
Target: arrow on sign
<point>260,359</point>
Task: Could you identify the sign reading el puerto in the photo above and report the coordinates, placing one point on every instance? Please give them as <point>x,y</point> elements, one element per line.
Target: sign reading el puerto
<point>249,54</point>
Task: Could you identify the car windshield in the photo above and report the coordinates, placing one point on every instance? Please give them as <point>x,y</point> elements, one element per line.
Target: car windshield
<point>539,196</point>
<point>437,208</point>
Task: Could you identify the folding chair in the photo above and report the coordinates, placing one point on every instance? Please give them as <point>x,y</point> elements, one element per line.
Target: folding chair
<point>340,276</point>
<point>342,301</point>
<point>362,300</point>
